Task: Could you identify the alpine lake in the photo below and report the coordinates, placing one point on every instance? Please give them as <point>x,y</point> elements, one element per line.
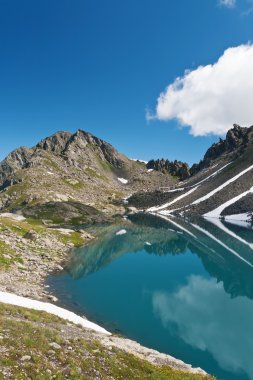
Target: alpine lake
<point>182,287</point>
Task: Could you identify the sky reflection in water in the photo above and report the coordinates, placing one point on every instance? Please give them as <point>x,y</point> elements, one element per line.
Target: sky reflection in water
<point>188,296</point>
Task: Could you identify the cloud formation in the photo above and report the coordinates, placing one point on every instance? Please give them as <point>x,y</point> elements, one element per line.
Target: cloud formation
<point>227,3</point>
<point>211,98</point>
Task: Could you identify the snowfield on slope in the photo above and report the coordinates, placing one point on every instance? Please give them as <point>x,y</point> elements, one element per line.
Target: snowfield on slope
<point>192,189</point>
<point>13,299</point>
<point>219,188</point>
<point>155,208</point>
<point>243,220</point>
<point>217,211</point>
<point>211,175</point>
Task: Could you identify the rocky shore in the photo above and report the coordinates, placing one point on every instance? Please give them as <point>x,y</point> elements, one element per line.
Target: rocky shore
<point>30,253</point>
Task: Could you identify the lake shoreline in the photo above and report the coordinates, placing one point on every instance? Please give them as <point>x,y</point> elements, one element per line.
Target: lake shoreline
<point>28,279</point>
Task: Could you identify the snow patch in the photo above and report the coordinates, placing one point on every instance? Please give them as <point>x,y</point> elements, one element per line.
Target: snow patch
<point>173,190</point>
<point>212,175</point>
<point>125,200</point>
<point>222,186</point>
<point>123,180</point>
<point>172,202</point>
<point>217,211</point>
<point>13,299</point>
<point>242,220</point>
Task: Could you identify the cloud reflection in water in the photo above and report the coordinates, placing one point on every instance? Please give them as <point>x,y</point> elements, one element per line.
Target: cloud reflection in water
<point>224,329</point>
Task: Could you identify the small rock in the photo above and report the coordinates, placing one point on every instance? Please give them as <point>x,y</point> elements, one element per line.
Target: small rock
<point>51,352</point>
<point>52,298</point>
<point>25,358</point>
<point>55,345</point>
<point>31,235</point>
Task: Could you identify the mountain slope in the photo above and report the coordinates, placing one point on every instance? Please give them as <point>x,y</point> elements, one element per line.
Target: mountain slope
<point>73,168</point>
<point>222,182</point>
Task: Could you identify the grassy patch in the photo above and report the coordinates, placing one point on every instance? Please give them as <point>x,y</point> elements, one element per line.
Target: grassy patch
<point>92,173</point>
<point>74,238</point>
<point>31,333</point>
<point>7,256</point>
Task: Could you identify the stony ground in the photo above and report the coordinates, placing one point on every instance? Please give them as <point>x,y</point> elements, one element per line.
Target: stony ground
<point>29,251</point>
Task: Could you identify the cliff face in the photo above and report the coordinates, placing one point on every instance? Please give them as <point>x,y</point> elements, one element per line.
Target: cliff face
<point>233,145</point>
<point>175,168</point>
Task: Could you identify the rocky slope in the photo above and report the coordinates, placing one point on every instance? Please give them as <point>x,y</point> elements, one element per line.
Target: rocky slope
<point>221,184</point>
<point>66,171</point>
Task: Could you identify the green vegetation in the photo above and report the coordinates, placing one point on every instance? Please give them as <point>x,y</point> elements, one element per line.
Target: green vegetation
<point>66,213</point>
<point>37,345</point>
<point>92,173</point>
<point>7,256</point>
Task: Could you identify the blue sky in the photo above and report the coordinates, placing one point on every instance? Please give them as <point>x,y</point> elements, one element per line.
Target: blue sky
<point>98,65</point>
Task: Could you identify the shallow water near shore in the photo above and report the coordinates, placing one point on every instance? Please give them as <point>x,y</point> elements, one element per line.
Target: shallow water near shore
<point>184,288</point>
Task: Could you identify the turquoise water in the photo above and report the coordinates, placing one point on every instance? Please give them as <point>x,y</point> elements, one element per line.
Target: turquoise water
<point>183,288</point>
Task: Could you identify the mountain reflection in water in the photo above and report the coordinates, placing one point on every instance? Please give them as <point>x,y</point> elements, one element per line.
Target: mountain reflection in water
<point>184,287</point>
<point>160,236</point>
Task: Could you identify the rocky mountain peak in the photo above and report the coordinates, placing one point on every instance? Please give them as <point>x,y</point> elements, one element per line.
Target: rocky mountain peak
<point>16,160</point>
<point>55,143</point>
<point>81,145</point>
<point>235,137</point>
<point>234,144</point>
<point>175,168</point>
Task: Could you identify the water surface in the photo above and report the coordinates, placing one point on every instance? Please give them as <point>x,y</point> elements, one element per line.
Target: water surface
<point>183,288</point>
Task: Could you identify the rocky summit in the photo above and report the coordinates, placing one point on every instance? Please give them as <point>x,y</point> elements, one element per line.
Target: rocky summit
<point>175,168</point>
<point>69,170</point>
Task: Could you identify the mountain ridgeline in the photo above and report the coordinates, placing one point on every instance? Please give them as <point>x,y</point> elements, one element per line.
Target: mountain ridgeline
<point>65,171</point>
<point>235,142</point>
<point>220,185</point>
<point>79,178</point>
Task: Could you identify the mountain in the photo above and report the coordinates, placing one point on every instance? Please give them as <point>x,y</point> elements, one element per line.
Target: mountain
<point>76,176</point>
<point>220,185</point>
<point>175,168</point>
<point>80,178</point>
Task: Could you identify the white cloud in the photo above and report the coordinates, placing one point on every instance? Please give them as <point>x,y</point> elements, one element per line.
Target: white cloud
<point>211,98</point>
<point>227,3</point>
